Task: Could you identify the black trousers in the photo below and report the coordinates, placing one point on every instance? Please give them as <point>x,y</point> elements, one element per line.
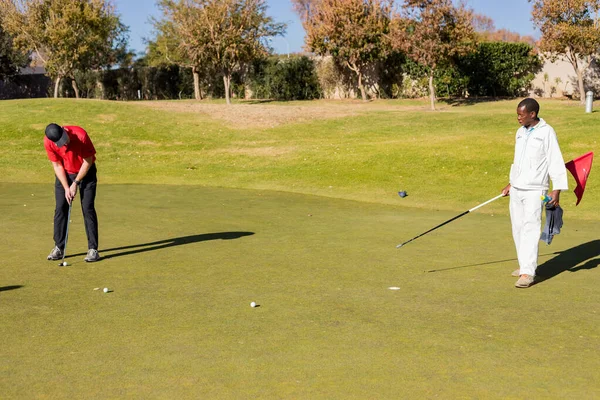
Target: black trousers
<point>87,195</point>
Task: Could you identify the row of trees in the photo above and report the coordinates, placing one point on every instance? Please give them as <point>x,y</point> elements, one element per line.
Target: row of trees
<point>493,69</point>
<point>224,37</point>
<point>434,32</point>
<point>66,35</point>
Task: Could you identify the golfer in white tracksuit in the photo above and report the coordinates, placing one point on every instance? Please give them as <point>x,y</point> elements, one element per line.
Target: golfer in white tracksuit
<point>537,161</point>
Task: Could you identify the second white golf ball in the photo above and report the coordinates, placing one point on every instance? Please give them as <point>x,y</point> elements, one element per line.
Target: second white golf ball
<point>105,290</point>
<point>253,304</point>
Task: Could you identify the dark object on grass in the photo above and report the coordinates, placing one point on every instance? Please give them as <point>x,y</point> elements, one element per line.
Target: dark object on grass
<point>402,194</point>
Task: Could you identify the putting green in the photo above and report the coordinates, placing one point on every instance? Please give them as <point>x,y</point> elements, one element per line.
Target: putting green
<point>184,263</point>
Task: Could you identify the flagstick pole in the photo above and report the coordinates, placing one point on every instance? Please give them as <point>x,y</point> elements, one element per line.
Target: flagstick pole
<point>450,220</point>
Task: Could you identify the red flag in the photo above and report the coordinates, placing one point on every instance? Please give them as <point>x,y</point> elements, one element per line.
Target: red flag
<point>580,169</point>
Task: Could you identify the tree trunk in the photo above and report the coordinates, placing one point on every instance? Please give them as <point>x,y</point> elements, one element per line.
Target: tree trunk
<point>361,86</point>
<point>100,88</point>
<point>431,91</point>
<point>572,57</point>
<point>56,86</point>
<point>75,88</point>
<point>227,82</point>
<point>581,88</point>
<point>197,92</point>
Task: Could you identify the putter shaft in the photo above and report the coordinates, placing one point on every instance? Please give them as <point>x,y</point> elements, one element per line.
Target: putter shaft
<point>67,233</point>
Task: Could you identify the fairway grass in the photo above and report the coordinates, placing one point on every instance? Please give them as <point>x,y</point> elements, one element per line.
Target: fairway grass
<point>184,263</point>
<point>452,159</point>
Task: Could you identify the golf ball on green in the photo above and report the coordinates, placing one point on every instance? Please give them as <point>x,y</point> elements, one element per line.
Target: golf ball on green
<point>105,290</point>
<point>253,304</point>
<point>64,264</point>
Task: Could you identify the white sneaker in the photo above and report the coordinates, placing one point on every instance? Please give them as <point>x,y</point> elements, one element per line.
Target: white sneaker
<point>92,255</point>
<point>55,254</point>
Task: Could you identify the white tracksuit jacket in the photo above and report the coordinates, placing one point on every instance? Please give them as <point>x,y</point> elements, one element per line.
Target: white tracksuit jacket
<point>537,161</point>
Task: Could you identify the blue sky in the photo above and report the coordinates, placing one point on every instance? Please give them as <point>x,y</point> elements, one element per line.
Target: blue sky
<point>514,15</point>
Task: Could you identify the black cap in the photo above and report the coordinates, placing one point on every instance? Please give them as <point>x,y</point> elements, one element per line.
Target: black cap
<point>57,134</point>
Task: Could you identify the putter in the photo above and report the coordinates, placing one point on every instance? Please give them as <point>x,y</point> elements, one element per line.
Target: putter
<point>62,263</point>
<point>450,220</point>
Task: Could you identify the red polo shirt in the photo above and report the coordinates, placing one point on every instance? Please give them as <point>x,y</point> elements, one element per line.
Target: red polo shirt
<point>72,154</point>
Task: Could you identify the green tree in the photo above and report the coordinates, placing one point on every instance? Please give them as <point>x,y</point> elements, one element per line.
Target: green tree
<point>283,78</point>
<point>66,35</point>
<point>570,31</point>
<point>499,68</point>
<point>221,35</point>
<point>10,58</point>
<point>431,32</point>
<point>109,52</point>
<point>166,48</point>
<point>354,32</point>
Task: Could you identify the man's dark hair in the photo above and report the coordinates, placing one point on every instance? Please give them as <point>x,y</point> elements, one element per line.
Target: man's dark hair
<point>530,105</point>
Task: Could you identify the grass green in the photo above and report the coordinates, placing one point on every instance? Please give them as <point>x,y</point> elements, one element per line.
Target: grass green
<point>186,251</point>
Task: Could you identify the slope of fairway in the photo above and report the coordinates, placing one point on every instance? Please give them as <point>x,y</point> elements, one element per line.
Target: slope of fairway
<point>452,159</point>
<point>184,263</point>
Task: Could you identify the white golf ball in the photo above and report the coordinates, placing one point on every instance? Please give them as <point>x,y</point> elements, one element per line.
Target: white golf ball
<point>105,290</point>
<point>253,304</point>
<point>64,263</point>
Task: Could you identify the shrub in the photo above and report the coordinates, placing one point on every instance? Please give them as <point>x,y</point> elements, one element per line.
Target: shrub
<point>283,78</point>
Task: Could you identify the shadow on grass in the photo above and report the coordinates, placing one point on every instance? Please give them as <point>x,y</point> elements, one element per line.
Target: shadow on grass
<point>567,260</point>
<point>7,288</point>
<point>163,244</point>
<point>485,263</point>
<point>570,260</point>
<point>471,101</point>
<point>257,101</point>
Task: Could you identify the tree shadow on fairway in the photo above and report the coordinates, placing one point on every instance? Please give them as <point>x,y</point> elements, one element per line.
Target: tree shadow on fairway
<point>12,287</point>
<point>569,260</point>
<point>163,244</point>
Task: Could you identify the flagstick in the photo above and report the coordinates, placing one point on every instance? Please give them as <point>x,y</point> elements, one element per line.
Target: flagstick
<point>450,220</point>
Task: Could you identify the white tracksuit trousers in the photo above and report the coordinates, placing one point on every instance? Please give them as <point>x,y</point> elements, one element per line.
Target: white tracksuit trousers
<point>526,218</point>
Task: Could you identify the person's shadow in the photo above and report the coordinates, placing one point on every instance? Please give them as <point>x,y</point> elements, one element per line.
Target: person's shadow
<point>163,244</point>
<point>569,260</point>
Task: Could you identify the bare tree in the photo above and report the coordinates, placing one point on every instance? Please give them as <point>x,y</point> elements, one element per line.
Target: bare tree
<point>431,32</point>
<point>570,30</point>
<point>355,32</point>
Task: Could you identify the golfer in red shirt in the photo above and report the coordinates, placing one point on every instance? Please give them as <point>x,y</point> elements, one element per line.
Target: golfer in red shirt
<point>73,157</point>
